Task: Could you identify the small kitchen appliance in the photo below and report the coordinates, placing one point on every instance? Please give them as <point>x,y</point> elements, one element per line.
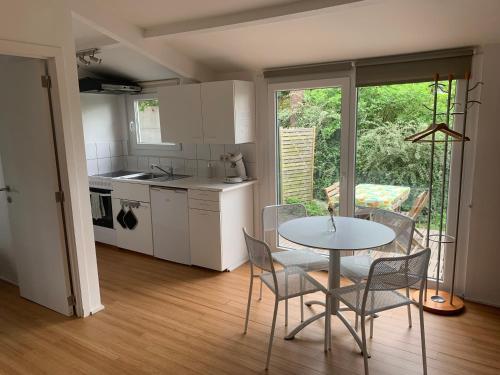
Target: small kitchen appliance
<point>237,163</point>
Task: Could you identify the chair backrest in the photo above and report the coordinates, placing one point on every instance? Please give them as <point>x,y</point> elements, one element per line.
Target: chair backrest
<point>332,193</point>
<point>275,215</point>
<point>402,225</point>
<point>418,205</point>
<point>259,253</point>
<point>399,272</point>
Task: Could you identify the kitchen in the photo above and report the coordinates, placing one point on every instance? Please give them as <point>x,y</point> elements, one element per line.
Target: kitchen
<point>185,196</point>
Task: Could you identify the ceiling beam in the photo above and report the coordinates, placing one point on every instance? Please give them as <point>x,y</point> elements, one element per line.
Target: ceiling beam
<point>102,19</point>
<point>257,16</point>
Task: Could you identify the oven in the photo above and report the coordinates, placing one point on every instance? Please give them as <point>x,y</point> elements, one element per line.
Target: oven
<point>100,190</point>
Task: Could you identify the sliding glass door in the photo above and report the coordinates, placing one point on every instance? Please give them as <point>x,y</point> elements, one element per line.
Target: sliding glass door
<point>311,144</point>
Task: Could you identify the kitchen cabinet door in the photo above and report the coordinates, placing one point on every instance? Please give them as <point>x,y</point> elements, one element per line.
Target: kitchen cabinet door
<point>228,109</point>
<point>180,114</point>
<point>204,238</point>
<point>140,238</point>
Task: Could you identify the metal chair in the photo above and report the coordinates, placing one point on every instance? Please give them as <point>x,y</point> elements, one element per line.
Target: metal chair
<point>380,292</point>
<point>272,217</point>
<point>293,283</point>
<point>357,267</point>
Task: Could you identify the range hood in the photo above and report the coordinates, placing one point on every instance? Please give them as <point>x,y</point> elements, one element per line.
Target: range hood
<point>101,86</point>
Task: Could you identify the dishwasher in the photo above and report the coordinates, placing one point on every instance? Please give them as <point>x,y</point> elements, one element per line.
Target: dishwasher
<point>169,210</point>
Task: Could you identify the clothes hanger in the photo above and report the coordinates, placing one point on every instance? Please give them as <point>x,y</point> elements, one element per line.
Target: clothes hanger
<point>423,136</point>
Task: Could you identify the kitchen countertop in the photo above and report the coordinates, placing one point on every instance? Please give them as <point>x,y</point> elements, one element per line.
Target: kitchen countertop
<point>199,183</point>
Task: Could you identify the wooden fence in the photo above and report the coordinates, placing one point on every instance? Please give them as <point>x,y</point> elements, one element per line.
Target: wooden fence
<point>297,162</point>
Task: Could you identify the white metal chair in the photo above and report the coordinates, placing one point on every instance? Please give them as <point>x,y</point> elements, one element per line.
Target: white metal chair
<point>385,277</point>
<point>294,282</point>
<point>272,217</point>
<point>357,267</point>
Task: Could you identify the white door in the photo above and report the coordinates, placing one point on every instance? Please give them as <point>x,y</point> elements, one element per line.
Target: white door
<point>169,210</point>
<point>29,161</point>
<point>180,114</point>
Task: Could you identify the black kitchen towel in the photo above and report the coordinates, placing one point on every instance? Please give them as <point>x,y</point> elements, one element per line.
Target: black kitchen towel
<point>120,217</point>
<point>130,219</point>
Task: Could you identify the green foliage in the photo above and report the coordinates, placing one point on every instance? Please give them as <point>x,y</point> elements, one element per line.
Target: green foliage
<point>313,208</point>
<point>386,115</point>
<point>146,103</point>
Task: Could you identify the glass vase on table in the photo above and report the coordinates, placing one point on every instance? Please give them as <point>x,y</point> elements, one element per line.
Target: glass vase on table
<point>332,219</point>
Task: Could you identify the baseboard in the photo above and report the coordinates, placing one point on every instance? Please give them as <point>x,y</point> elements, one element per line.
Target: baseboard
<point>96,310</point>
<point>7,280</point>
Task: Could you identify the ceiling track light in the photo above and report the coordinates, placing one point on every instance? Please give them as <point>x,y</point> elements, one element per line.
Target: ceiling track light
<point>87,56</point>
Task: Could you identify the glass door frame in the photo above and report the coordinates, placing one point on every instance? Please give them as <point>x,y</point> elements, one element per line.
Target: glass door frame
<point>347,138</point>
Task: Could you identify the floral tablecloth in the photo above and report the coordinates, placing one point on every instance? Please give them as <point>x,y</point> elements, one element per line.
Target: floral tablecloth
<point>388,197</point>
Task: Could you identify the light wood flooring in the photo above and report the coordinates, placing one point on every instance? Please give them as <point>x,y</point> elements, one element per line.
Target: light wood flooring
<point>164,318</point>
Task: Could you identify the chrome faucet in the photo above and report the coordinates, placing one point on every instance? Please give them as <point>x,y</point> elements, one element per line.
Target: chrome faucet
<point>169,173</point>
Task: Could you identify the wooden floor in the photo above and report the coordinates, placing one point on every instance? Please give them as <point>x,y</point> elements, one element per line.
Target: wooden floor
<point>163,318</point>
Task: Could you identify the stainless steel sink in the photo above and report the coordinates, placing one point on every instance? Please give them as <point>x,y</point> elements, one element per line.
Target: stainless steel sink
<point>153,176</point>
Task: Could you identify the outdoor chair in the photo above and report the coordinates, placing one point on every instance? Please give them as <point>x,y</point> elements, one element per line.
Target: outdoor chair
<point>380,293</point>
<point>415,211</point>
<point>285,284</point>
<point>272,217</point>
<point>357,267</point>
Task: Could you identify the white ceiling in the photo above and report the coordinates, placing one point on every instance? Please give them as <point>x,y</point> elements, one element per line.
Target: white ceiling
<point>117,60</point>
<point>366,29</point>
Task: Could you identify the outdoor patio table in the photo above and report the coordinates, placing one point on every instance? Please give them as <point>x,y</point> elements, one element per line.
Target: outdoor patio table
<point>388,197</point>
<point>351,234</point>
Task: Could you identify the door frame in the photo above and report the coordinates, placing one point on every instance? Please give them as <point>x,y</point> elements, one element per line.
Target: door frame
<point>70,149</point>
<point>347,137</point>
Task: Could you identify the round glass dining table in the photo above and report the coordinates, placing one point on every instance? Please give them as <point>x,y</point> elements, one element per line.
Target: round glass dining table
<point>350,234</point>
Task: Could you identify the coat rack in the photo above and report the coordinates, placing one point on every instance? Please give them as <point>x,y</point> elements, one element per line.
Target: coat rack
<point>442,302</point>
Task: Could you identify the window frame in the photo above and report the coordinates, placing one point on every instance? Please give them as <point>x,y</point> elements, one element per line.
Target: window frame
<point>144,148</point>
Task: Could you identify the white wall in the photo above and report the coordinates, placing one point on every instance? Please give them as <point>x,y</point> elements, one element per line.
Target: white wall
<point>7,259</point>
<point>48,24</point>
<point>104,125</point>
<point>483,260</point>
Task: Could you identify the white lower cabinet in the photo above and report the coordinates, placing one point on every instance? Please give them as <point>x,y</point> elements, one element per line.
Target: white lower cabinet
<point>140,238</point>
<point>216,222</point>
<point>205,241</point>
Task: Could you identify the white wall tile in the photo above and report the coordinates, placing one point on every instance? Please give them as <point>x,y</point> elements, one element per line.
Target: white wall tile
<point>191,167</point>
<point>142,163</point>
<point>202,168</point>
<point>179,165</point>
<point>251,169</point>
<point>220,168</point>
<point>116,148</point>
<point>104,165</point>
<point>117,163</point>
<point>232,149</point>
<point>165,162</point>
<point>125,147</point>
<point>90,151</point>
<point>249,152</point>
<point>188,151</point>
<point>103,150</point>
<point>132,163</point>
<point>203,152</point>
<point>92,167</point>
<point>216,151</point>
<point>153,160</point>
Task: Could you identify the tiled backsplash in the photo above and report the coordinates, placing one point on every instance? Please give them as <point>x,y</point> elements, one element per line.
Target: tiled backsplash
<point>104,157</point>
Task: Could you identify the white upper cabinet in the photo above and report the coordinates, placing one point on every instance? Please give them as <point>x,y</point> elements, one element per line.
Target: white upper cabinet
<point>180,114</point>
<point>228,112</point>
<point>212,112</point>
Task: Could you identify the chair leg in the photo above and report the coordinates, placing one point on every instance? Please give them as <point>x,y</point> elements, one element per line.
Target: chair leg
<point>422,337</point>
<point>356,317</point>
<point>328,324</point>
<point>301,309</point>
<point>273,326</point>
<point>249,301</point>
<point>363,339</point>
<point>260,291</point>
<point>286,300</point>
<point>409,307</point>
<point>371,325</point>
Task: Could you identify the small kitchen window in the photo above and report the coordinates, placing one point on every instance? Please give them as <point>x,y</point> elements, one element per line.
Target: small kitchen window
<point>144,120</point>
